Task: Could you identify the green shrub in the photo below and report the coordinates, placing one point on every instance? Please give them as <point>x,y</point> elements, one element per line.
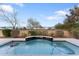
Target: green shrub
<point>38,32</point>
<point>75,33</point>
<point>32,32</point>
<point>59,33</point>
<point>6,32</point>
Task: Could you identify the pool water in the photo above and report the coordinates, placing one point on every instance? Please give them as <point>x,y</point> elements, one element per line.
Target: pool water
<point>39,47</point>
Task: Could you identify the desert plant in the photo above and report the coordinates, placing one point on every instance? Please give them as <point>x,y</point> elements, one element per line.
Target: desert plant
<point>38,32</point>
<point>24,35</point>
<point>6,32</point>
<point>15,33</point>
<point>32,32</point>
<point>42,32</point>
<point>52,34</point>
<point>59,33</point>
<point>75,33</point>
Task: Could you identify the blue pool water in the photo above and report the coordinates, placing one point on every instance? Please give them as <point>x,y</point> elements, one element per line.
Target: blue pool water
<point>39,47</point>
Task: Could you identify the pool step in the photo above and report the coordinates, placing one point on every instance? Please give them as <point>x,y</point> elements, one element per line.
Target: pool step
<point>14,44</point>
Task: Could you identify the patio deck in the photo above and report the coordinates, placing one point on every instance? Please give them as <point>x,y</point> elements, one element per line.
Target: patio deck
<point>71,40</point>
<point>5,40</point>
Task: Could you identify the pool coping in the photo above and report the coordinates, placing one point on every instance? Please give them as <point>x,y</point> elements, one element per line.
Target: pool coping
<point>71,40</point>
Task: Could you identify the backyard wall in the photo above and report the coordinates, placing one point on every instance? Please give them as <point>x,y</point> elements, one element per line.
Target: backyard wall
<point>1,34</point>
<point>67,34</point>
<point>24,33</point>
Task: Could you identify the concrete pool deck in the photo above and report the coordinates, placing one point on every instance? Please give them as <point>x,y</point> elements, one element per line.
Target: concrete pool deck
<point>5,40</point>
<point>71,40</point>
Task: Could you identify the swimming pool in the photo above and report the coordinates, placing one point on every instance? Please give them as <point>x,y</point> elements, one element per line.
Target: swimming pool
<point>39,47</point>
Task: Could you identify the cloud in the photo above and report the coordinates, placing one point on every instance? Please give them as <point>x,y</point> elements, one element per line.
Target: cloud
<point>20,4</point>
<point>77,5</point>
<point>60,14</point>
<point>54,17</point>
<point>50,17</point>
<point>7,8</point>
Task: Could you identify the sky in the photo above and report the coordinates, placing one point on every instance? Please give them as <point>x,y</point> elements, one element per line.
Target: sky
<point>48,14</point>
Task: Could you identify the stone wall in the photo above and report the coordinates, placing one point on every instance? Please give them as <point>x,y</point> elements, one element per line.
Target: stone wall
<point>66,33</point>
<point>24,33</point>
<point>1,35</point>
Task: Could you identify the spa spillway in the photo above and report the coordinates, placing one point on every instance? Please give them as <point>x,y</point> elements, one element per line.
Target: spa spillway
<point>39,37</point>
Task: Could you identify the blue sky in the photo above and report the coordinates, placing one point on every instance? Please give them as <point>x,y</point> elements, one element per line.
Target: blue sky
<point>47,14</point>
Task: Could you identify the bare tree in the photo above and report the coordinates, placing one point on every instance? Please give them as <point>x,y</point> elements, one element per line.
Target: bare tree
<point>10,18</point>
<point>32,23</point>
